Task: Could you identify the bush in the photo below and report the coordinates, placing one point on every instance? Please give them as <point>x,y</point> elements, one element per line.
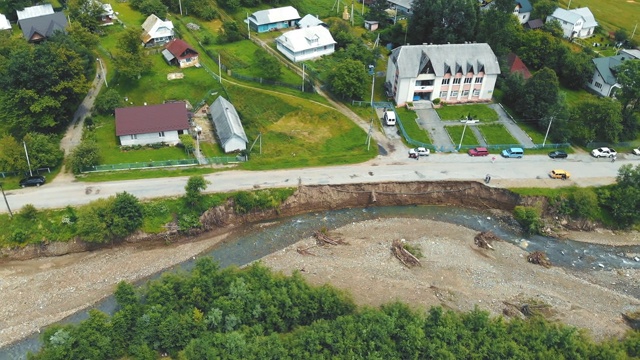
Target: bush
<point>529,219</point>
<point>29,212</point>
<point>436,101</point>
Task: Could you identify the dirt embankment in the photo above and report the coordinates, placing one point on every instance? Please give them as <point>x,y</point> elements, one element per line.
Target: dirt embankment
<point>309,199</point>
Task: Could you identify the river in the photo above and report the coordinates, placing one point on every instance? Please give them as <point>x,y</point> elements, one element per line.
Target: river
<point>256,242</point>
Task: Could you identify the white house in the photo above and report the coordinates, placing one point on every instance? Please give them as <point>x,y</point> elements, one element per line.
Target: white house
<point>4,23</point>
<point>142,125</point>
<point>401,6</point>
<point>604,81</point>
<point>575,23</point>
<point>455,73</point>
<point>307,43</point>
<point>273,19</point>
<point>228,126</point>
<point>522,10</point>
<point>310,21</point>
<point>156,32</point>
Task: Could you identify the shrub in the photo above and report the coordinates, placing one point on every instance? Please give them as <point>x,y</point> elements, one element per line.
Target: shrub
<point>529,219</point>
<point>29,212</point>
<point>19,236</point>
<point>436,101</point>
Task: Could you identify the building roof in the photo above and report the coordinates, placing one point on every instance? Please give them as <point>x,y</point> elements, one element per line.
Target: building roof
<point>525,6</point>
<point>606,67</point>
<point>274,15</point>
<point>151,26</point>
<point>4,23</point>
<point>226,120</point>
<point>306,38</point>
<point>566,15</point>
<point>309,21</point>
<point>517,66</point>
<point>535,24</point>
<point>404,3</point>
<point>634,53</point>
<point>589,19</point>
<point>153,118</point>
<point>44,25</point>
<point>34,11</point>
<point>412,59</point>
<point>177,47</point>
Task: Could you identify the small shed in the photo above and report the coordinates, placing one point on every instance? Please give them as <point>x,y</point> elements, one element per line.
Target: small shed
<point>371,25</point>
<point>228,126</point>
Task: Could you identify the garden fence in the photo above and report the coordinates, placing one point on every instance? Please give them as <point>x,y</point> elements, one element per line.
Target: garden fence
<point>160,164</point>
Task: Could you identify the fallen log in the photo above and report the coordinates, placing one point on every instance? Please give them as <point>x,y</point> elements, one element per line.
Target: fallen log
<point>306,251</point>
<point>405,257</point>
<point>484,239</point>
<point>322,238</point>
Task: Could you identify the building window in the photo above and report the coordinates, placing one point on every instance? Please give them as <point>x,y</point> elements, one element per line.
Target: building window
<point>465,92</point>
<point>445,81</point>
<point>134,137</point>
<point>454,93</point>
<point>443,94</point>
<point>424,83</point>
<point>161,134</point>
<point>598,85</point>
<point>467,80</point>
<point>479,80</point>
<point>456,81</point>
<point>476,92</point>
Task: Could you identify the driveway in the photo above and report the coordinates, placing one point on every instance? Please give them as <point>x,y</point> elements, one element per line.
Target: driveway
<point>512,127</point>
<point>429,120</point>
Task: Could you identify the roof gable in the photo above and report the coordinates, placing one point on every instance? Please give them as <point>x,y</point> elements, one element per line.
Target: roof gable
<point>44,26</point>
<point>517,66</point>
<point>306,38</point>
<point>226,120</point>
<point>309,21</point>
<point>4,23</point>
<point>585,13</point>
<point>412,59</point>
<point>525,6</point>
<point>566,15</point>
<point>153,118</point>
<point>270,16</point>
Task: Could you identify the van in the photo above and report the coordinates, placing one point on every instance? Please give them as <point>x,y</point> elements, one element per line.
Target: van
<point>513,153</point>
<point>389,118</point>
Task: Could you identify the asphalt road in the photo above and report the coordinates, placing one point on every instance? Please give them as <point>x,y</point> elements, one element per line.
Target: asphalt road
<point>532,170</point>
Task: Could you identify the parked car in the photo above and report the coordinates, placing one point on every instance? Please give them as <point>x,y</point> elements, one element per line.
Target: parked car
<point>32,181</point>
<point>420,151</point>
<point>559,174</point>
<point>558,154</point>
<point>513,153</point>
<point>478,151</point>
<point>636,151</point>
<point>603,152</point>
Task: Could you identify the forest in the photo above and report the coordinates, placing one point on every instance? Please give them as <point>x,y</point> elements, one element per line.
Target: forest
<point>252,313</point>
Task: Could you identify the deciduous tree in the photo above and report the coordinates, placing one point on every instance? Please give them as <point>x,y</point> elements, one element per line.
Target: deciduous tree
<point>443,21</point>
<point>349,79</point>
<point>193,196</point>
<point>85,155</point>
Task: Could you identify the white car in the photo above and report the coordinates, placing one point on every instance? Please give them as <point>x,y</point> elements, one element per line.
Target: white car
<point>603,152</point>
<point>420,151</point>
<point>636,151</point>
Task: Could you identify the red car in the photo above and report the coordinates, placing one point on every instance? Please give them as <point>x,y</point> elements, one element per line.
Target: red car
<point>479,151</point>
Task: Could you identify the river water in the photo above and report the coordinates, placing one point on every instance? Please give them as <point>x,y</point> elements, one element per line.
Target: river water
<point>258,241</point>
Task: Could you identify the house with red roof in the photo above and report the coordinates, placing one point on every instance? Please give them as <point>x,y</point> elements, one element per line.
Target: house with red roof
<point>517,66</point>
<point>178,52</point>
<point>143,125</point>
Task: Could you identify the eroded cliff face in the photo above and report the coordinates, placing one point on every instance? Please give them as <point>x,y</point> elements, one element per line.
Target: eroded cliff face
<point>306,199</point>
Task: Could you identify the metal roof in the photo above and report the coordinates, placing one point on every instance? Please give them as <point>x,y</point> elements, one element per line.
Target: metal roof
<point>34,11</point>
<point>606,67</point>
<point>226,120</point>
<point>309,21</point>
<point>4,23</point>
<point>271,16</point>
<point>525,6</point>
<point>44,25</point>
<point>589,19</point>
<point>411,59</point>
<point>153,118</point>
<point>306,38</point>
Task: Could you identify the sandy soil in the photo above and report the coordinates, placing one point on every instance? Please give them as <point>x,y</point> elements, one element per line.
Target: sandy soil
<point>455,274</point>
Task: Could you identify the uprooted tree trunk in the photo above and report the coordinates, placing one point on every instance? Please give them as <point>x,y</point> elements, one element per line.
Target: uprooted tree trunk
<point>539,258</point>
<point>484,239</point>
<point>323,239</point>
<point>405,257</point>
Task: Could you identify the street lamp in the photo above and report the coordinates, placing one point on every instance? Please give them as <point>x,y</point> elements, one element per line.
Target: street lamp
<point>463,130</point>
<point>373,81</point>
<point>104,75</point>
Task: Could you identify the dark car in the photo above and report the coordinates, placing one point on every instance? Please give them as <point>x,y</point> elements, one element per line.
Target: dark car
<point>32,181</point>
<point>479,151</point>
<point>558,154</point>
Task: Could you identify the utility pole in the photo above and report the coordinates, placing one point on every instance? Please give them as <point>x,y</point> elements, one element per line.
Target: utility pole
<point>219,68</point>
<point>302,77</point>
<point>5,201</point>
<point>104,75</point>
<point>634,31</point>
<point>373,82</point>
<point>369,135</point>
<point>180,3</point>
<point>547,133</point>
<point>27,153</point>
<point>352,12</point>
<point>248,28</point>
<point>462,137</point>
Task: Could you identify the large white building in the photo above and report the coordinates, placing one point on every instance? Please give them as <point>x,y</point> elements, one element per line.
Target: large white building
<point>455,73</point>
<point>307,43</point>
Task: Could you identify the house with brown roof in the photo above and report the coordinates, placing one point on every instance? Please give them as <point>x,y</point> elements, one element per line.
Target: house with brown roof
<point>178,52</point>
<point>517,66</point>
<point>142,125</point>
<point>156,32</point>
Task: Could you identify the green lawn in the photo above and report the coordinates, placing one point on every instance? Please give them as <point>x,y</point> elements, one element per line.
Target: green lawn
<point>477,111</point>
<point>497,134</point>
<point>610,14</point>
<point>455,132</point>
<point>414,131</point>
